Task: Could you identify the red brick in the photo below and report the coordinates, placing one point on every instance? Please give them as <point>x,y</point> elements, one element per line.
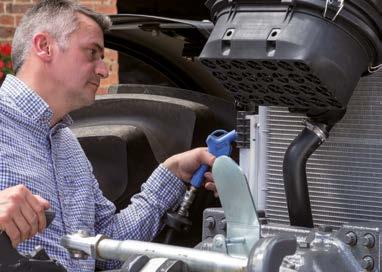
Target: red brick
<point>102,90</point>
<point>111,80</point>
<point>9,40</point>
<point>113,74</point>
<point>18,19</point>
<point>88,5</point>
<point>111,54</point>
<point>6,32</point>
<point>106,9</point>
<point>94,3</point>
<point>7,20</point>
<point>107,2</point>
<point>2,8</point>
<point>17,8</point>
<point>23,1</point>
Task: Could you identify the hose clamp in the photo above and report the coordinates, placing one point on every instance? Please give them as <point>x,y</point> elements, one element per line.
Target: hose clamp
<point>373,69</point>
<point>333,8</point>
<point>316,130</point>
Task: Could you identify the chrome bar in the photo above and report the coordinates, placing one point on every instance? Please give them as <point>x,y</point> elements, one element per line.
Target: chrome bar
<point>197,260</point>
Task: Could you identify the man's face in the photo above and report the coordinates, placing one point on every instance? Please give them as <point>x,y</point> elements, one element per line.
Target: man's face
<point>79,68</point>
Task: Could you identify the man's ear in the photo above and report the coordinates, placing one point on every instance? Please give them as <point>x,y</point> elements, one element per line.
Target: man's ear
<point>42,46</point>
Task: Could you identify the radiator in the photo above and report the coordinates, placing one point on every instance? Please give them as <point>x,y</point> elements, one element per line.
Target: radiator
<point>345,173</point>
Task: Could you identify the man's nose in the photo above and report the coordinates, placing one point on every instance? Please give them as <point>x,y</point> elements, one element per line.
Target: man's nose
<point>101,69</point>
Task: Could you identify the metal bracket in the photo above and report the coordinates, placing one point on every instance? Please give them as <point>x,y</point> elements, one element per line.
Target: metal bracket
<point>80,245</point>
<point>363,240</point>
<point>243,228</point>
<point>333,8</point>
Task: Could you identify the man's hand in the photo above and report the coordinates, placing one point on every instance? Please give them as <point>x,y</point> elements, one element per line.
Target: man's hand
<point>184,165</point>
<point>21,213</point>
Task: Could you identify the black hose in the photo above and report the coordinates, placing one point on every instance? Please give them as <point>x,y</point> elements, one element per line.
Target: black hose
<point>296,186</point>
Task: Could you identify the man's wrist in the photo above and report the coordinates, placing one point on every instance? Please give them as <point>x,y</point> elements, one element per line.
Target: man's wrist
<point>171,165</point>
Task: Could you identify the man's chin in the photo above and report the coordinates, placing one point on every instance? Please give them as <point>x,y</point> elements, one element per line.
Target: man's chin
<point>89,98</point>
<point>92,88</point>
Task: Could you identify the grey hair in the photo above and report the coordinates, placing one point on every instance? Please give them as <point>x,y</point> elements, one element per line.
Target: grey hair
<point>56,17</point>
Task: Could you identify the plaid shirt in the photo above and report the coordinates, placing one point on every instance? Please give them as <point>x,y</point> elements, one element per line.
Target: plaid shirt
<point>50,162</point>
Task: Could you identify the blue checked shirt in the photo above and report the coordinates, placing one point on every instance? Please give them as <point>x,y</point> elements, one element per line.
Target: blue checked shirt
<point>50,162</point>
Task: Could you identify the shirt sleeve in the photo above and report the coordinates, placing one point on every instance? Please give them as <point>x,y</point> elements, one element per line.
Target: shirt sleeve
<point>141,220</point>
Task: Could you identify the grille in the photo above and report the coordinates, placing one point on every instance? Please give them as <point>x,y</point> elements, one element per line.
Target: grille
<point>345,173</point>
<point>271,82</point>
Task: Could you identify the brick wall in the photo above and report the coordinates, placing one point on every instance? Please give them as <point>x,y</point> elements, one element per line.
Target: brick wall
<point>11,12</point>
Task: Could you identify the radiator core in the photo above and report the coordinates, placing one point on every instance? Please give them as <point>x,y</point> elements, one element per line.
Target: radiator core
<point>345,173</point>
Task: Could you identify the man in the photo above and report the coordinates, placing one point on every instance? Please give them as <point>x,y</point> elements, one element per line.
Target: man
<point>58,59</point>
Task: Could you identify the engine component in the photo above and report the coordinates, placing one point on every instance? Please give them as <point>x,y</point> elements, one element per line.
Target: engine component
<point>214,223</point>
<point>285,52</point>
<point>272,248</point>
<point>258,52</point>
<point>344,174</point>
<point>330,250</point>
<point>268,253</point>
<point>280,248</point>
<point>294,169</point>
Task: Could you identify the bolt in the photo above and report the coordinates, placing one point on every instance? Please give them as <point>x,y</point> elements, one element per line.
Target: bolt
<point>78,254</point>
<point>367,263</point>
<point>350,238</point>
<point>368,240</point>
<point>218,242</point>
<point>210,222</point>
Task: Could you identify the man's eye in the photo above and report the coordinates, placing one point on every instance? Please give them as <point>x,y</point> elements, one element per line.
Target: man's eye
<point>92,53</point>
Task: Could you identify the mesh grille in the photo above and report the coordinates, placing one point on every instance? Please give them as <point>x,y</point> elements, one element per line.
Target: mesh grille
<point>271,82</point>
<point>345,173</point>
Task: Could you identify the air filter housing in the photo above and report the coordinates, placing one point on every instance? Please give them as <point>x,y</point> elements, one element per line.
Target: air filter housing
<point>296,53</point>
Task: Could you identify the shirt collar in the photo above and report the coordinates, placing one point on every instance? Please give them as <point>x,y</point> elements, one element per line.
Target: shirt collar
<point>29,102</point>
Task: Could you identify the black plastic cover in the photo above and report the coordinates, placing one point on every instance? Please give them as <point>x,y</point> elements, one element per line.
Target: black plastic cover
<point>287,53</point>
